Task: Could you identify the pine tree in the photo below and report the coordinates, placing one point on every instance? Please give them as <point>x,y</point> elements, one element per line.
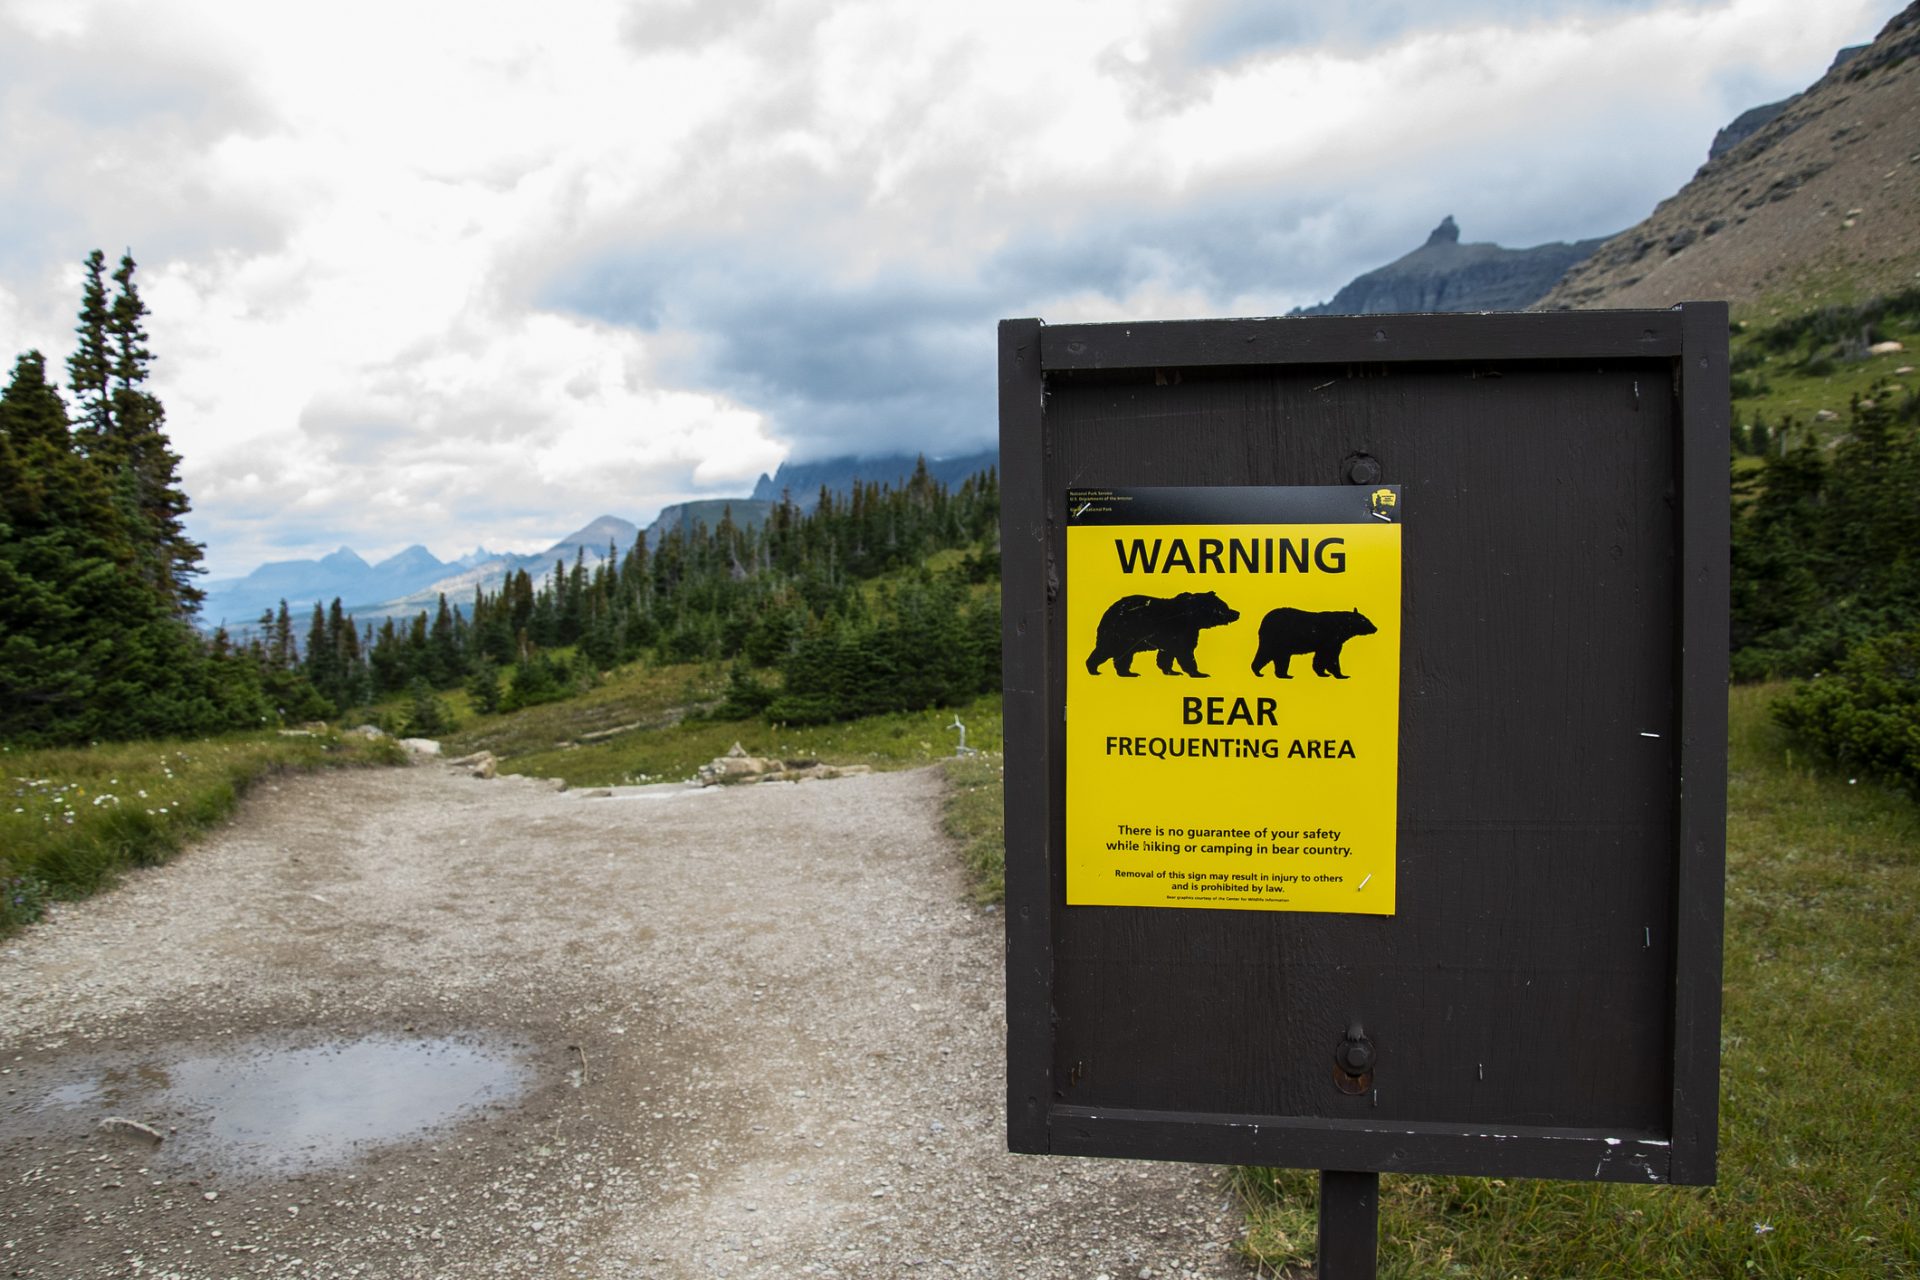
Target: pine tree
<point>483,686</point>
<point>53,517</point>
<point>136,443</point>
<point>89,368</point>
<point>444,662</point>
<point>87,650</point>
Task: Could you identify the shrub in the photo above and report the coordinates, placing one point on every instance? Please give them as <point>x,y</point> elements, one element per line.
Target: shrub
<point>427,715</point>
<point>537,679</point>
<point>1865,714</point>
<point>483,686</point>
<point>747,695</point>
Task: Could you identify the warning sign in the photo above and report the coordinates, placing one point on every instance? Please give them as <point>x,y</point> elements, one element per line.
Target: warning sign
<point>1233,695</point>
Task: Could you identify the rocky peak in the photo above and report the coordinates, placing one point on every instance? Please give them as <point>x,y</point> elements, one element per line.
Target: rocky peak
<point>1445,275</point>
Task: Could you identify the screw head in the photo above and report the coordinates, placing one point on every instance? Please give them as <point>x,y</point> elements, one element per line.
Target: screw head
<point>1362,469</point>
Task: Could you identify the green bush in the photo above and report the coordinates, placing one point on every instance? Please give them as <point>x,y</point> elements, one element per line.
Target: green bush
<point>483,686</point>
<point>1865,714</point>
<point>427,715</point>
<point>927,644</point>
<point>537,679</point>
<point>747,695</point>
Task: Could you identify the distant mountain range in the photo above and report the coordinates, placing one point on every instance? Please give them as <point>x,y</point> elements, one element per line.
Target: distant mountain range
<point>414,580</point>
<point>400,585</point>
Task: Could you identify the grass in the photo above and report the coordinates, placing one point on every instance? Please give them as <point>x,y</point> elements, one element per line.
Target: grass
<point>974,816</point>
<point>636,728</point>
<point>1813,374</point>
<point>1819,1169</point>
<point>72,819</point>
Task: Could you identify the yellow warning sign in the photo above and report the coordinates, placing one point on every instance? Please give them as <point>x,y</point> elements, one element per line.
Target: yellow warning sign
<point>1233,695</point>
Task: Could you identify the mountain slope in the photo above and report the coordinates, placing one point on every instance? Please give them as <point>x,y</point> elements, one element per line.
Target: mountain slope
<point>1822,203</point>
<point>1445,275</point>
<point>1754,119</point>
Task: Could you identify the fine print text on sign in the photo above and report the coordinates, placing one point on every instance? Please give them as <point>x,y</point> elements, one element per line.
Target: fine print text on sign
<point>1233,694</point>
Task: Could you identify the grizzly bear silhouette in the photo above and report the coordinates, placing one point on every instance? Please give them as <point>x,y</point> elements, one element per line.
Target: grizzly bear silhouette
<point>1285,632</point>
<point>1133,624</point>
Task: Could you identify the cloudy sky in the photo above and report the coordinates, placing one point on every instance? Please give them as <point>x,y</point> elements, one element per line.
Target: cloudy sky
<point>476,273</point>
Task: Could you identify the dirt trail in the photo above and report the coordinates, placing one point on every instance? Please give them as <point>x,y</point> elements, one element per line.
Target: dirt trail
<point>756,1031</point>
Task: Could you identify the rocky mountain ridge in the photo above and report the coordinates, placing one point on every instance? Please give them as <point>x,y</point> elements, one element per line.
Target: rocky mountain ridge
<point>1754,119</point>
<point>1445,275</point>
<point>1822,201</point>
<point>803,480</point>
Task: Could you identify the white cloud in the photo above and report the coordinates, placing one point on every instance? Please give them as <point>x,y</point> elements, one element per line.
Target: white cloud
<point>477,272</point>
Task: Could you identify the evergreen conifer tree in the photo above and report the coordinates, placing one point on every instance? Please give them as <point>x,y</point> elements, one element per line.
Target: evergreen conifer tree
<point>90,366</point>
<point>137,445</point>
<point>87,649</point>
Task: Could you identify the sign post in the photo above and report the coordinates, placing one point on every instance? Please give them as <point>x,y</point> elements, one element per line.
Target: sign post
<point>1365,698</point>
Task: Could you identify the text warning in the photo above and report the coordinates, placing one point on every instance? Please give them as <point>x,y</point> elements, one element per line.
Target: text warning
<point>1233,697</point>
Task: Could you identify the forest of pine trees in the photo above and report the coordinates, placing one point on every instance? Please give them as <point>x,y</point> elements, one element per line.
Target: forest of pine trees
<point>797,595</point>
<point>97,593</point>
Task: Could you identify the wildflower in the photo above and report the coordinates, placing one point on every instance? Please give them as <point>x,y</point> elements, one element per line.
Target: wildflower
<point>1761,1228</point>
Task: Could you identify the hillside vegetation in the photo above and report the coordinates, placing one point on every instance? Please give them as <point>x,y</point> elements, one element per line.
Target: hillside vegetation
<point>1794,379</point>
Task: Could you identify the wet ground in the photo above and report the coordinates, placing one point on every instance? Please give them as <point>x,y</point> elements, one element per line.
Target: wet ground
<point>260,1108</point>
<point>409,1023</point>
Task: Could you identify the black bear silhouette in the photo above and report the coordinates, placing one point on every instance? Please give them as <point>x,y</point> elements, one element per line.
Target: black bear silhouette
<point>1132,624</point>
<point>1285,632</point>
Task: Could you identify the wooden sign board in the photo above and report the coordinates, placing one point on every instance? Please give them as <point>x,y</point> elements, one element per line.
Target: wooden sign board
<point>1414,629</point>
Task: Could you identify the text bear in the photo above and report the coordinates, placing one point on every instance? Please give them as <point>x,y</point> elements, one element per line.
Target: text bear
<point>1285,632</point>
<point>1136,623</point>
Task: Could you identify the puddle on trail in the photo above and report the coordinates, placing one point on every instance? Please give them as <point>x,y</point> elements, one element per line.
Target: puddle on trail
<point>264,1108</point>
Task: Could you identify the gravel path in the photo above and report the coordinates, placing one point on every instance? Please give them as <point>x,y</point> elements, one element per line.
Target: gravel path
<point>750,1031</point>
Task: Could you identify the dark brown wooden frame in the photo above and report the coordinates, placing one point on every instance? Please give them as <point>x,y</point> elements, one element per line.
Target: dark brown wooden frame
<point>1678,360</point>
